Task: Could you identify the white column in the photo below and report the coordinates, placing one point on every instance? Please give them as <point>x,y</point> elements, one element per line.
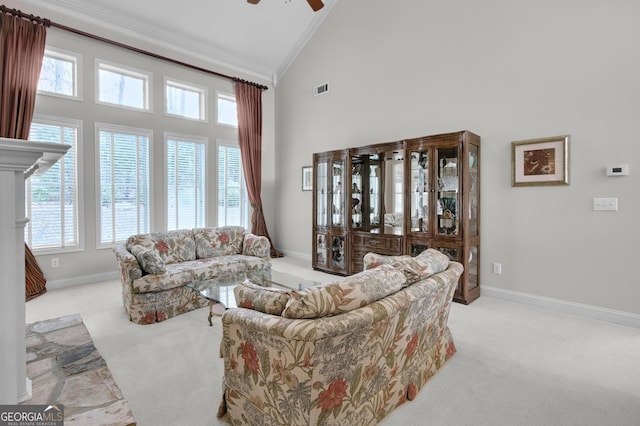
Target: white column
<point>8,292</point>
<point>16,158</point>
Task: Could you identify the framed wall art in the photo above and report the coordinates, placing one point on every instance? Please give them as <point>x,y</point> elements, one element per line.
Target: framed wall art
<point>543,161</point>
<point>307,178</point>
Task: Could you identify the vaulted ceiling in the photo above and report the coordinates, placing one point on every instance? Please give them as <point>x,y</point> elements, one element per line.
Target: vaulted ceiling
<point>260,40</point>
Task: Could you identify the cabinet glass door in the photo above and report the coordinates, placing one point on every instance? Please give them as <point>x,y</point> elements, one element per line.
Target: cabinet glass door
<point>322,213</point>
<point>374,191</point>
<point>338,193</point>
<point>448,212</point>
<point>473,267</point>
<point>321,249</point>
<point>474,191</point>
<point>420,191</point>
<point>357,181</point>
<point>394,193</point>
<point>337,251</point>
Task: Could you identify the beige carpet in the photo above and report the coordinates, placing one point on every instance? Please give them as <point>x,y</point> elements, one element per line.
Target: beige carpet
<point>66,368</point>
<point>515,365</point>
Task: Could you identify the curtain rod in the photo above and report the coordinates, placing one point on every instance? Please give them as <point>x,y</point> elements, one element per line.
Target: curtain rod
<point>49,23</point>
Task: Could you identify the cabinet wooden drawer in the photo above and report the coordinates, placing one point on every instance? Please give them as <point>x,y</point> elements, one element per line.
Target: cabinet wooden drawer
<point>378,244</point>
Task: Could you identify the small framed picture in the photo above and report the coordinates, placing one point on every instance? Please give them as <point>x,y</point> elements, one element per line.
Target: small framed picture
<point>307,178</point>
<point>543,161</point>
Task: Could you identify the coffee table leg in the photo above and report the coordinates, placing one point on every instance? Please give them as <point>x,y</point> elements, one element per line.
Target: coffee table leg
<point>210,312</point>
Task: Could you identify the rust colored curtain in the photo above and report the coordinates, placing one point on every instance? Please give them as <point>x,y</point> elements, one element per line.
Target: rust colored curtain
<point>249,105</point>
<point>22,46</point>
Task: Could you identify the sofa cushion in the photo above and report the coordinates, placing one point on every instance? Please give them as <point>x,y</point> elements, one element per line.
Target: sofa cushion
<point>149,260</point>
<point>204,269</point>
<point>177,275</point>
<point>221,241</point>
<point>269,300</point>
<point>346,294</point>
<point>172,246</point>
<point>424,265</point>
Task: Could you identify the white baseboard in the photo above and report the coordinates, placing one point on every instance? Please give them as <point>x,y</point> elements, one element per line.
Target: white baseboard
<point>589,311</point>
<point>297,255</point>
<point>70,282</point>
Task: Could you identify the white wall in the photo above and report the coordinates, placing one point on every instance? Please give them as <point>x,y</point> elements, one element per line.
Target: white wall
<point>93,263</point>
<point>507,71</point>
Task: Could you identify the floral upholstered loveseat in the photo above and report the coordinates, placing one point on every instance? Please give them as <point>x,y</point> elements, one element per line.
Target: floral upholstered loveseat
<point>155,268</point>
<point>343,353</point>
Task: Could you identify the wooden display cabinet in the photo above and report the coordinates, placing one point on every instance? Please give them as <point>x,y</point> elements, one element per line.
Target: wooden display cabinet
<point>330,247</point>
<point>400,198</point>
<point>443,175</point>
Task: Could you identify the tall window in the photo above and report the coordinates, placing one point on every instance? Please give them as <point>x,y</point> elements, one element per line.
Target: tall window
<point>227,110</point>
<point>185,100</point>
<point>233,203</point>
<point>123,163</point>
<point>122,86</point>
<point>186,195</point>
<point>59,75</point>
<point>52,198</point>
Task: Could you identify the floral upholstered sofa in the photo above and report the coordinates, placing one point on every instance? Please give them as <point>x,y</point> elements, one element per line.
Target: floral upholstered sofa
<point>155,268</point>
<point>342,353</point>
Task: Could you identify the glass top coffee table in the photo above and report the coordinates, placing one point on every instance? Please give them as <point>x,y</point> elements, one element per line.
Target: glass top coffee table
<point>221,293</point>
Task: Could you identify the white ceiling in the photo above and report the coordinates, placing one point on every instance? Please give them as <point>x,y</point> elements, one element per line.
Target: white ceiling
<point>258,40</point>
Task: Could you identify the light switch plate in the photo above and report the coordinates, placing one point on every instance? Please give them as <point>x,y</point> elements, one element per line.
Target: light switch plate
<point>605,204</point>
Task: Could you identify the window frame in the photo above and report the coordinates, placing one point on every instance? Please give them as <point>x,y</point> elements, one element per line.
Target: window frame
<point>146,76</point>
<point>244,193</point>
<point>204,98</point>
<point>227,96</point>
<point>78,125</point>
<point>202,140</point>
<point>116,128</point>
<point>76,59</point>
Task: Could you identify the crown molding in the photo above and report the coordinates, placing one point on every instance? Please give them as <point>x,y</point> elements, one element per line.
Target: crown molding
<point>164,41</point>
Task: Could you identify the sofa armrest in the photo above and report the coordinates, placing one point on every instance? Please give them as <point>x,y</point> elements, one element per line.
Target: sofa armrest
<point>254,245</point>
<point>128,265</point>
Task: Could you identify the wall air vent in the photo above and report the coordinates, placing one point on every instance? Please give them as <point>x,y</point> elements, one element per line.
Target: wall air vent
<point>321,89</point>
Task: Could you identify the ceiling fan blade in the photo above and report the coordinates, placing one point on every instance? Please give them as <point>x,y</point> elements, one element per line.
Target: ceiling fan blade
<point>316,5</point>
<point>253,1</point>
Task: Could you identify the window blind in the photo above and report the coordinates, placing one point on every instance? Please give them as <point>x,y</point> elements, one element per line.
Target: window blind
<point>51,200</point>
<point>124,184</point>
<point>186,192</point>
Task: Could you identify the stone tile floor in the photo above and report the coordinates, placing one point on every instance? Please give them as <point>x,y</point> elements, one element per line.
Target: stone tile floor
<point>66,368</point>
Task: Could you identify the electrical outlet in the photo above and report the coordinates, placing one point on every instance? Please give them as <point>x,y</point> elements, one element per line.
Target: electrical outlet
<point>497,268</point>
<point>55,262</point>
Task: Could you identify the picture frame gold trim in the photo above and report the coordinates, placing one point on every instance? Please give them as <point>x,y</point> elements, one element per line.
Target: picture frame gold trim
<point>307,178</point>
<point>540,162</point>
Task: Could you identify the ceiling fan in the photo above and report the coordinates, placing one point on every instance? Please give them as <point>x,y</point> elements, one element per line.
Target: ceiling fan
<point>316,5</point>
